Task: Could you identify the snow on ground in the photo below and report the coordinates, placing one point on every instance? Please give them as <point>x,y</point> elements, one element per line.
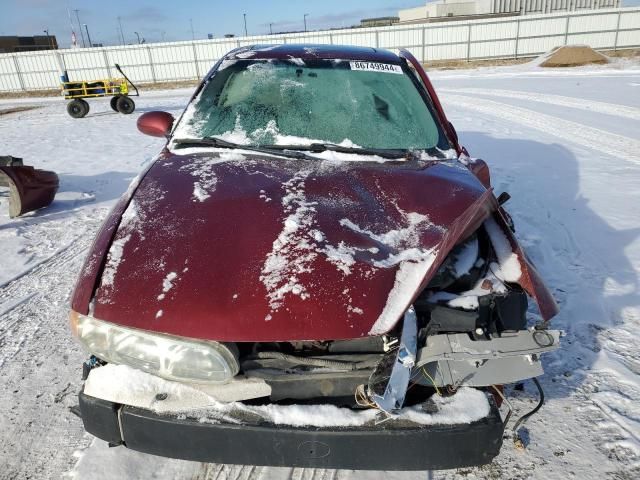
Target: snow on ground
<point>563,142</point>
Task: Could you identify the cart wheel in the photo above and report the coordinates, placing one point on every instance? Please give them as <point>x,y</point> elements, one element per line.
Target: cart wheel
<point>77,108</point>
<point>85,105</point>
<point>125,105</point>
<point>113,102</point>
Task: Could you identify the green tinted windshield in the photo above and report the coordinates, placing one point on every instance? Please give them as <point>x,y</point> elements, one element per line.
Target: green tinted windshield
<point>290,102</point>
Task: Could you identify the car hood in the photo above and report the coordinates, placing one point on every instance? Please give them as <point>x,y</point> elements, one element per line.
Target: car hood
<point>240,247</point>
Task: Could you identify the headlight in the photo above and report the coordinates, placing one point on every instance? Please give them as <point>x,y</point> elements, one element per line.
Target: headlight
<point>174,358</point>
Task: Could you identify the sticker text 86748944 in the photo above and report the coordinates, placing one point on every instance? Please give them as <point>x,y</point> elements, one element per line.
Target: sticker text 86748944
<point>376,67</point>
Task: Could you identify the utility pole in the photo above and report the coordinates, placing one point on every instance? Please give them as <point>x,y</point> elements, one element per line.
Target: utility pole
<point>121,32</point>
<point>193,35</point>
<point>80,27</point>
<point>46,31</point>
<point>88,36</point>
<point>245,24</point>
<point>305,21</point>
<point>137,35</point>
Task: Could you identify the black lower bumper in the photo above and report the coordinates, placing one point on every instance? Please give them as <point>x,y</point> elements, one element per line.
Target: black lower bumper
<point>382,447</point>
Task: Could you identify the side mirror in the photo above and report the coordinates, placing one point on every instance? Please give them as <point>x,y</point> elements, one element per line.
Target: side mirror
<point>156,124</point>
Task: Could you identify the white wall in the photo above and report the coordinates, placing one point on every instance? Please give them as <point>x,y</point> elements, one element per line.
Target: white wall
<point>522,36</point>
<point>443,8</point>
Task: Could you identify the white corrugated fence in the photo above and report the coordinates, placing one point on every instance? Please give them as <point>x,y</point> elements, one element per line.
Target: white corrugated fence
<point>512,37</point>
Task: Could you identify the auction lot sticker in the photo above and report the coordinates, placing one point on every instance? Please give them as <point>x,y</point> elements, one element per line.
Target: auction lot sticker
<point>376,67</point>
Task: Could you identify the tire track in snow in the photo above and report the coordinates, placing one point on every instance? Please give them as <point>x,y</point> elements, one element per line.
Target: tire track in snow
<point>560,100</point>
<point>593,138</point>
<point>40,365</point>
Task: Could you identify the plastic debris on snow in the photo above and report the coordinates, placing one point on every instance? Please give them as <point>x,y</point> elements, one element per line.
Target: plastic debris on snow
<point>126,385</point>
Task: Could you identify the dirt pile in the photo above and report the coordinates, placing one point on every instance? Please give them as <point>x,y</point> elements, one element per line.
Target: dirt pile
<point>572,56</point>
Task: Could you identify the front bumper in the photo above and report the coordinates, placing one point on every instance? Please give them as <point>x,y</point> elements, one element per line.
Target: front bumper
<point>384,447</point>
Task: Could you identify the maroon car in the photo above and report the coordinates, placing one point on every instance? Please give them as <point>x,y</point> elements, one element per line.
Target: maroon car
<point>313,272</point>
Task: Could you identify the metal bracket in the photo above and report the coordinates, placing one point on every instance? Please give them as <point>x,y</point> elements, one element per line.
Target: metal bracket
<point>393,398</point>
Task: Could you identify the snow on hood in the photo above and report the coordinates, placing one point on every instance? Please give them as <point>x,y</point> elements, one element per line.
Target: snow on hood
<point>276,249</point>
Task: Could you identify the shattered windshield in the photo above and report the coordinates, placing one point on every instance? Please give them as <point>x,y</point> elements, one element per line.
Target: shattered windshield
<point>291,102</point>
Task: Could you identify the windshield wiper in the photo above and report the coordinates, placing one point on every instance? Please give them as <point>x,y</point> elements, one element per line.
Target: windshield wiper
<point>334,147</point>
<point>220,143</point>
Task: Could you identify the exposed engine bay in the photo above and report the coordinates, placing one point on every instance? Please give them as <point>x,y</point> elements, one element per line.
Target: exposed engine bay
<point>468,327</point>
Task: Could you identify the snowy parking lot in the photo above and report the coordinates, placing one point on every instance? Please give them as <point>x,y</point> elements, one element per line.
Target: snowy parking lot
<point>565,143</point>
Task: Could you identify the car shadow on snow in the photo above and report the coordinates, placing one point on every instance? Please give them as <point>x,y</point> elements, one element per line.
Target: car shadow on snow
<point>579,255</point>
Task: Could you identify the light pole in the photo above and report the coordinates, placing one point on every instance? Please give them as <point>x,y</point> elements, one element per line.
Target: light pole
<point>137,35</point>
<point>193,35</point>
<point>245,24</point>
<point>80,27</point>
<point>88,36</point>
<point>305,21</point>
<point>270,29</point>
<point>121,32</point>
<point>46,31</point>
<point>163,35</point>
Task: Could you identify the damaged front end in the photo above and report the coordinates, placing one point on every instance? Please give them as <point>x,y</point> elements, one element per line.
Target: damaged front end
<point>424,395</point>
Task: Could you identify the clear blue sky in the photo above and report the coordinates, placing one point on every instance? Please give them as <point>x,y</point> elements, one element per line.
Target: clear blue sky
<point>151,18</point>
<point>170,19</point>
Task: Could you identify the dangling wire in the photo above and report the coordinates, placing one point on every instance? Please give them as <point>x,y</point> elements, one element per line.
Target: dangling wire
<point>433,382</point>
<point>522,420</point>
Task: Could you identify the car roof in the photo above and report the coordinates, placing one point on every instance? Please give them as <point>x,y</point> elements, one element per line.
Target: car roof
<point>311,51</point>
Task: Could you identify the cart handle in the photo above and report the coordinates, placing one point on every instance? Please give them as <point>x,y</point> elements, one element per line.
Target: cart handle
<point>128,80</point>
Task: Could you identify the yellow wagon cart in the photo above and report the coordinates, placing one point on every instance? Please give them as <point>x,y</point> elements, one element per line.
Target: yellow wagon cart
<point>117,88</point>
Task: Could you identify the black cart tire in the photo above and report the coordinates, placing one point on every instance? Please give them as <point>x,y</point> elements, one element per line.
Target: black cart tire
<point>125,105</point>
<point>113,102</point>
<point>85,105</point>
<point>77,108</point>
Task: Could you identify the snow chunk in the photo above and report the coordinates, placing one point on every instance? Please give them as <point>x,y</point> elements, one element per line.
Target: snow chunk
<point>123,384</point>
<point>129,223</point>
<point>130,386</point>
<point>466,258</point>
<point>167,284</point>
<point>408,276</point>
<point>205,179</point>
<point>114,258</point>
<point>509,269</point>
<point>341,256</point>
<point>293,251</point>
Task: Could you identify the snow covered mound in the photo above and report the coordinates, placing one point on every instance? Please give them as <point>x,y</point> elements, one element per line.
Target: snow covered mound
<point>572,56</point>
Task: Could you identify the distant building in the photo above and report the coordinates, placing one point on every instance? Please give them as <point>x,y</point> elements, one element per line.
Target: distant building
<point>11,44</point>
<point>379,21</point>
<point>442,9</point>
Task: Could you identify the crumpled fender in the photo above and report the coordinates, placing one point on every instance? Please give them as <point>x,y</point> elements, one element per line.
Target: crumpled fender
<point>530,280</point>
<point>29,188</point>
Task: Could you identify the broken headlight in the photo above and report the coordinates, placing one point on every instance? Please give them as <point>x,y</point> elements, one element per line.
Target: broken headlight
<point>174,358</point>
